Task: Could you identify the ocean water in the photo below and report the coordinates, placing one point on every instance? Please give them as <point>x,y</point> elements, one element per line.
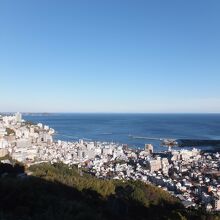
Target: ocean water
<point>132,129</point>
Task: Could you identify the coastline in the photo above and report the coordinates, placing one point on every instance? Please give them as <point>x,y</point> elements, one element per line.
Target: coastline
<point>120,128</point>
<point>175,171</point>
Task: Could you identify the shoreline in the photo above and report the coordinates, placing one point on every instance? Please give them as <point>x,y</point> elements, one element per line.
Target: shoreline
<point>178,171</point>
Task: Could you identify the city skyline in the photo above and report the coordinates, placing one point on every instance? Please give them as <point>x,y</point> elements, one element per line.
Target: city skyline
<point>112,56</point>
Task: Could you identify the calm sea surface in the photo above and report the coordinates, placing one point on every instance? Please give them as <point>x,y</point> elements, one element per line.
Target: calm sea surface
<point>132,129</point>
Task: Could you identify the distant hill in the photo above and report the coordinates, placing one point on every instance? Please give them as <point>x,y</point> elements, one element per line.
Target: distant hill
<point>36,113</point>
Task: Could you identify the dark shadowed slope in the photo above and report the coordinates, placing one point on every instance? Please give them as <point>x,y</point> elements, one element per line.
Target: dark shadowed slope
<point>57,192</point>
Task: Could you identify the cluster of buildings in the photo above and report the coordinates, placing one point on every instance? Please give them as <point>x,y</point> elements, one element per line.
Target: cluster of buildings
<point>191,175</point>
<point>21,139</point>
<point>33,143</point>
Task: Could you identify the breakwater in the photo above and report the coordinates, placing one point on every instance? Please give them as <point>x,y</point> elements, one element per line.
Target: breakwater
<point>199,143</point>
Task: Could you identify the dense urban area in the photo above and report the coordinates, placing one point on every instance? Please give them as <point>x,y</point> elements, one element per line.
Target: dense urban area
<point>192,176</point>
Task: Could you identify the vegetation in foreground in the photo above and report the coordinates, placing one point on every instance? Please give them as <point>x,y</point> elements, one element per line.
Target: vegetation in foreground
<point>59,192</point>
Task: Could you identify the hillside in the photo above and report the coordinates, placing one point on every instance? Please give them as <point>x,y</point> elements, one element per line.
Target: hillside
<point>58,192</point>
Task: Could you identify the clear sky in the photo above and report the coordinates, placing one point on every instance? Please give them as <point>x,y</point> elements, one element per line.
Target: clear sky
<point>110,55</point>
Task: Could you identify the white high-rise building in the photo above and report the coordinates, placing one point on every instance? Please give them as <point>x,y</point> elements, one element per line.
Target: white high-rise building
<point>2,132</point>
<point>18,117</point>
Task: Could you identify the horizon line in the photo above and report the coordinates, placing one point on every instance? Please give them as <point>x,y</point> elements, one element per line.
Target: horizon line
<point>44,112</point>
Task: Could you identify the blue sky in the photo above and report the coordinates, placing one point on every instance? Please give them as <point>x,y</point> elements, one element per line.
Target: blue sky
<point>110,55</point>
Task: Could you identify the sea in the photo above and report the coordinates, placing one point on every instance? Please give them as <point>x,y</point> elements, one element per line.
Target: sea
<point>135,130</point>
